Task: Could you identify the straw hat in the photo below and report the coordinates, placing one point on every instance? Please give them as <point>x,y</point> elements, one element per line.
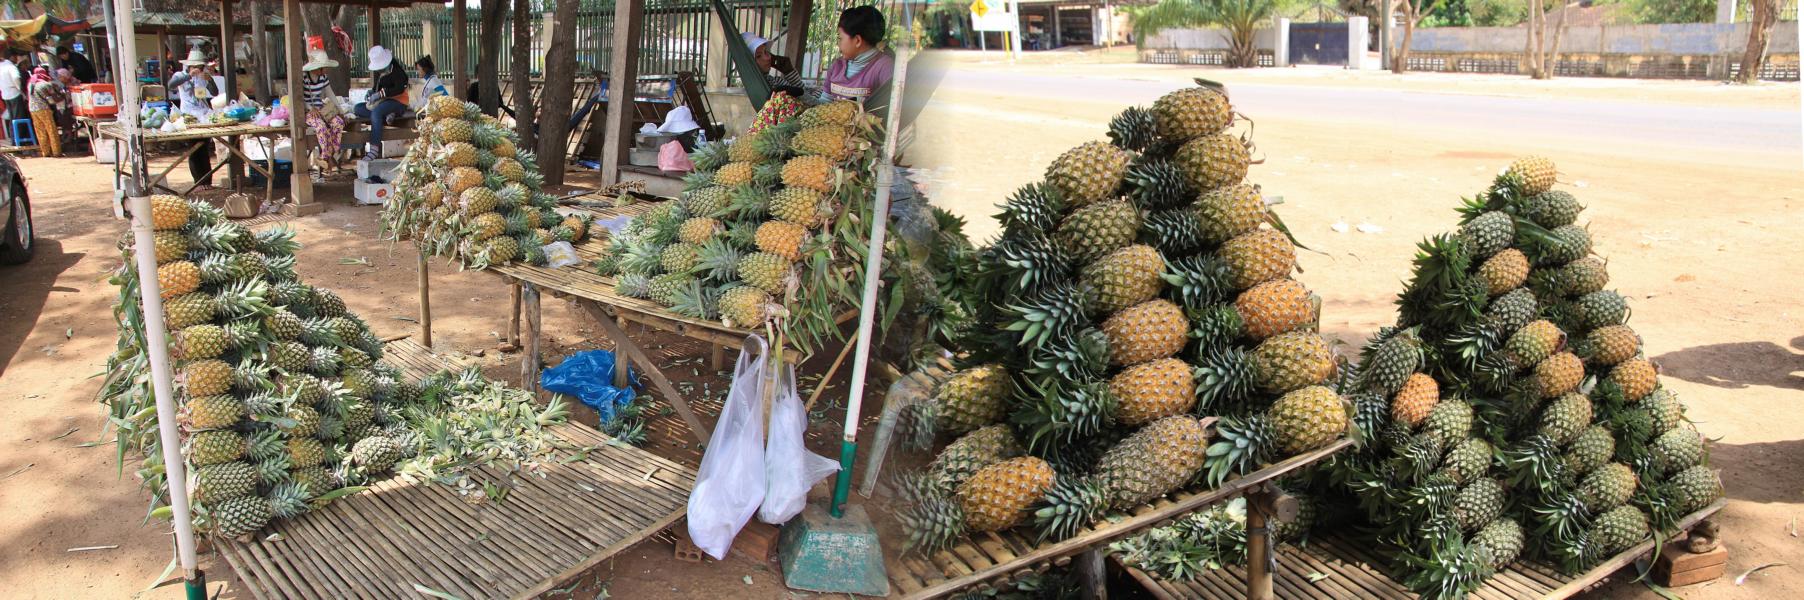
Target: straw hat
<point>380,58</point>
<point>317,59</point>
<point>195,58</point>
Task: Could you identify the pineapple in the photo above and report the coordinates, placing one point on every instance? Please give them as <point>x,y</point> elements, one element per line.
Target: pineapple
<point>838,112</point>
<point>1663,409</point>
<point>971,453</point>
<point>1125,277</point>
<point>178,278</point>
<point>504,149</point>
<point>1192,112</point>
<point>487,225</point>
<point>1152,390</point>
<point>1148,464</point>
<point>1275,307</point>
<point>1535,342</point>
<point>1552,209</point>
<point>663,288</point>
<point>781,238</point>
<point>1090,232</point>
<point>997,497</point>
<point>1228,376</point>
<point>305,452</point>
<point>971,398</point>
<point>1489,233</point>
<point>699,229</point>
<point>1148,331</point>
<point>1499,543</point>
<point>169,246</point>
<point>464,178</point>
<point>733,174</point>
<point>1467,461</point>
<point>832,142</point>
<point>1258,257</point>
<point>1559,374</point>
<point>810,172</point>
<point>1601,309</point>
<point>1607,487</point>
<point>510,169</point>
<point>478,200</point>
<point>1572,243</point>
<point>578,226</point>
<point>1511,311</point>
<point>207,377</point>
<point>1297,422</point>
<point>1088,173</point>
<point>1214,161</point>
<point>1678,449</point>
<point>1611,345</point>
<point>212,412</point>
<point>1415,399</point>
<point>202,341</point>
<point>705,202</point>
<point>1230,211</point>
<point>1589,451</point>
<point>1580,277</point>
<point>1535,172</point>
<point>224,481</point>
<point>1449,421</point>
<point>306,420</point>
<point>680,258</point>
<point>745,306</point>
<point>459,154</point>
<point>1504,271</point>
<point>766,271</point>
<point>282,324</point>
<point>168,213</point>
<point>1612,532</point>
<point>801,206</point>
<point>1392,363</point>
<point>1477,504</point>
<point>1637,378</point>
<point>239,516</point>
<point>1693,489</point>
<point>214,447</point>
<point>1565,417</point>
<point>376,453</point>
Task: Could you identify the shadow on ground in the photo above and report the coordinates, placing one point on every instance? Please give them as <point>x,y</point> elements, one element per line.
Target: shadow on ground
<point>1751,478</point>
<point>27,291</point>
<point>1738,365</point>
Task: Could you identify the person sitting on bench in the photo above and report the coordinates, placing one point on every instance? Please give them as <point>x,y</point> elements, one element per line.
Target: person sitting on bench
<point>387,97</point>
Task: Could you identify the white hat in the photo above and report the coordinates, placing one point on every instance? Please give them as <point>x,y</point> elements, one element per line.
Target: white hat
<point>317,59</point>
<point>380,58</point>
<point>679,121</point>
<point>752,41</point>
<point>195,58</point>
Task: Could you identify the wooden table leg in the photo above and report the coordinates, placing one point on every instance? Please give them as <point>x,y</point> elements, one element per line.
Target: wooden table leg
<point>512,341</point>
<point>622,343</point>
<point>1093,575</point>
<point>529,360</point>
<point>425,302</point>
<point>1261,560</point>
<point>716,356</point>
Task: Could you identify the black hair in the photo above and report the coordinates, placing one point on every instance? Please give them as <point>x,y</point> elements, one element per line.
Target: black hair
<point>61,50</point>
<point>863,21</point>
<point>425,64</point>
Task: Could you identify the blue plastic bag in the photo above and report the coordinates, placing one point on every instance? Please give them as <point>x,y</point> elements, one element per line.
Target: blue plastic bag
<point>589,376</point>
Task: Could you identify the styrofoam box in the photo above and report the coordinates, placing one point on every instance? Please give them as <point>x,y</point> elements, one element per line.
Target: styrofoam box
<point>394,148</point>
<point>382,167</point>
<point>254,148</point>
<point>106,151</point>
<point>373,193</point>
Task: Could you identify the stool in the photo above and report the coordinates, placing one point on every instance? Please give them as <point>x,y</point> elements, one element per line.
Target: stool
<point>28,132</point>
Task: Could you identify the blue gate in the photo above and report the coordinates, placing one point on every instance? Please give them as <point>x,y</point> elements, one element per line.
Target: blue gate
<point>1318,43</point>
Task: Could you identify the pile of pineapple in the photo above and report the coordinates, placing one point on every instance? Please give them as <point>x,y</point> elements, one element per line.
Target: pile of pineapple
<point>282,399</point>
<point>756,233</point>
<point>465,191</point>
<point>1508,346</point>
<point>1142,284</point>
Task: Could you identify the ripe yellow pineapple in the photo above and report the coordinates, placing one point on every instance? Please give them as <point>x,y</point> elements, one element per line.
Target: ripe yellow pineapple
<point>1230,211</point>
<point>1258,257</point>
<point>1275,307</point>
<point>212,412</point>
<point>1612,344</point>
<point>1559,374</point>
<point>1192,112</point>
<point>1537,173</point>
<point>766,271</point>
<point>503,149</point>
<point>997,497</point>
<point>1152,390</point>
<point>578,226</point>
<point>1292,361</point>
<point>1125,277</point>
<point>168,212</point>
<point>781,238</point>
<point>464,178</point>
<point>734,173</point>
<point>1505,271</point>
<point>1307,419</point>
<point>459,154</point>
<point>1148,331</point>
<point>1637,378</point>
<point>698,230</point>
<point>487,225</point>
<point>812,172</point>
<point>801,206</point>
<point>745,306</point>
<point>1088,173</point>
<point>452,130</point>
<point>478,200</point>
<point>207,377</point>
<point>177,278</point>
<point>1214,161</point>
<point>838,112</point>
<point>169,246</point>
<point>510,169</point>
<point>833,142</point>
<point>1414,401</point>
<point>445,107</point>
<point>971,398</point>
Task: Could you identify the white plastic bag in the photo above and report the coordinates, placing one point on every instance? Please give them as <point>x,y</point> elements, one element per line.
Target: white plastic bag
<point>730,485</point>
<point>560,254</point>
<point>789,468</point>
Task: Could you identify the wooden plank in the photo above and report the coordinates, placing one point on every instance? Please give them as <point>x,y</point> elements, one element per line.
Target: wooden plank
<point>1133,525</point>
<point>288,584</point>
<point>429,566</point>
<point>547,519</point>
<point>623,70</point>
<point>622,342</point>
<point>308,556</point>
<point>341,553</point>
<point>515,556</point>
<point>444,533</point>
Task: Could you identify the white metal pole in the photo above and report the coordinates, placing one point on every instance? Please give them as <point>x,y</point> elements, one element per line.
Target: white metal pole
<point>873,277</point>
<point>154,335</point>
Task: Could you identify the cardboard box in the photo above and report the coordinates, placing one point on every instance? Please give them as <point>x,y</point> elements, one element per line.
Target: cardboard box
<point>373,193</point>
<point>382,167</point>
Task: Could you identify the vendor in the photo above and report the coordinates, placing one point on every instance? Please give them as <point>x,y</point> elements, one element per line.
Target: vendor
<point>195,89</point>
<point>43,97</point>
<point>388,97</point>
<point>430,85</point>
<point>77,64</point>
<point>862,72</point>
<point>777,69</point>
<point>324,116</point>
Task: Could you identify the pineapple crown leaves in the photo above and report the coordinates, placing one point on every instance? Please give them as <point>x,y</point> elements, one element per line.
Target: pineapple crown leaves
<point>1084,355</point>
<point>1034,207</point>
<point>1199,281</point>
<point>1214,327</point>
<point>1371,414</point>
<point>1449,569</point>
<point>1225,379</point>
<point>1030,260</point>
<point>1056,311</point>
<point>1156,183</point>
<point>1071,504</point>
<point>1134,129</point>
<point>1244,444</point>
<point>932,524</point>
<point>1056,413</point>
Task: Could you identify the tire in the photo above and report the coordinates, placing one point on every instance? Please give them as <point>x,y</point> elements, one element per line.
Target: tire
<point>18,240</point>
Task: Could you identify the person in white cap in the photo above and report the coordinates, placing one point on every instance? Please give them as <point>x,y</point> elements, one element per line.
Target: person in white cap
<point>195,89</point>
<point>387,97</point>
<point>777,69</point>
<point>323,112</point>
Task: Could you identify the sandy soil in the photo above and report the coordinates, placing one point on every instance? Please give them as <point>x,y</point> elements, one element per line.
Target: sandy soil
<point>1697,241</point>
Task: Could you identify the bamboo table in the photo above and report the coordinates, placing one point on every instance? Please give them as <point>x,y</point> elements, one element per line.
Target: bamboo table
<point>1351,573</point>
<point>197,137</point>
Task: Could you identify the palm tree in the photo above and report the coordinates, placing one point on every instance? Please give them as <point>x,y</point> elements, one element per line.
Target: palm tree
<point>1241,18</point>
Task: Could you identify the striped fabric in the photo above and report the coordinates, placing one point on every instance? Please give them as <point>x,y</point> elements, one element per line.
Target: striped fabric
<point>315,89</point>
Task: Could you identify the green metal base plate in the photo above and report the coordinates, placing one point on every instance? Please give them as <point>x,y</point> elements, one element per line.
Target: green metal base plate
<point>819,553</point>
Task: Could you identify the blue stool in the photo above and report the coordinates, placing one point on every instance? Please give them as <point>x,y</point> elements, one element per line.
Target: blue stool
<point>28,132</point>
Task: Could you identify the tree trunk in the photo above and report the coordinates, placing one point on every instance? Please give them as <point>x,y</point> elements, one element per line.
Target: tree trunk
<point>1538,13</point>
<point>560,67</point>
<point>488,70</point>
<point>1400,58</point>
<point>1760,28</point>
<point>319,21</point>
<point>522,72</point>
<point>261,65</point>
<point>1551,65</point>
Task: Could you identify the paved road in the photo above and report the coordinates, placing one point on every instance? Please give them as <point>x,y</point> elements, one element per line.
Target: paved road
<point>1677,127</point>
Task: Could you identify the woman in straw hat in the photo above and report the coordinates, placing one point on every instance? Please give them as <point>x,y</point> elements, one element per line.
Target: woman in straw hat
<point>195,88</point>
<point>387,97</point>
<point>323,114</point>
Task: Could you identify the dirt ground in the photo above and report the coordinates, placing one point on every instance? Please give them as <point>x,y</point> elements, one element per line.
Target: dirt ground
<point>1703,243</point>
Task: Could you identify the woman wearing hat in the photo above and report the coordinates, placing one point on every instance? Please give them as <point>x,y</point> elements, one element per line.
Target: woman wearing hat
<point>777,69</point>
<point>45,93</point>
<point>387,97</point>
<point>195,88</point>
<point>322,105</point>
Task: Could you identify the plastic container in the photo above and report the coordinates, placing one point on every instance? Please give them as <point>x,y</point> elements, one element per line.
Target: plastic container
<point>283,170</point>
<point>96,100</point>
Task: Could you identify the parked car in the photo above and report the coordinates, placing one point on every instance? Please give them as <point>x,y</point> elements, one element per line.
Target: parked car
<point>16,237</point>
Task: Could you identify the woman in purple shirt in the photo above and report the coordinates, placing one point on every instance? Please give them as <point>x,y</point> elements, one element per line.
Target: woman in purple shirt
<point>861,72</point>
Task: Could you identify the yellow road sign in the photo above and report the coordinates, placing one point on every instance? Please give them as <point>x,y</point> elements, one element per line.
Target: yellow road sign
<point>980,9</point>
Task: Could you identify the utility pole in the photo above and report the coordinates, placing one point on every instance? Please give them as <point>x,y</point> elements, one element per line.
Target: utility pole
<point>1384,33</point>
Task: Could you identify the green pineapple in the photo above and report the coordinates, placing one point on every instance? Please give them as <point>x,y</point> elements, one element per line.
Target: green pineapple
<point>224,481</point>
<point>1089,173</point>
<point>1489,233</point>
<point>1097,229</point>
<point>1477,504</point>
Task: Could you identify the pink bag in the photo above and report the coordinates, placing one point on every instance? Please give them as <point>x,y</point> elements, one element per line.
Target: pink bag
<point>671,157</point>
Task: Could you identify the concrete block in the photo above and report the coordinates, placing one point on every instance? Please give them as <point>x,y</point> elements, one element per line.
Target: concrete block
<point>819,553</point>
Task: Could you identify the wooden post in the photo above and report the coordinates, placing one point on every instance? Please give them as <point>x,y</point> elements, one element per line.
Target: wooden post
<point>1260,558</point>
<point>512,342</point>
<point>529,360</point>
<point>376,26</point>
<point>162,74</point>
<point>459,56</point>
<point>797,43</point>
<point>229,67</point>
<point>1094,577</point>
<point>623,74</point>
<point>426,302</point>
<point>300,182</point>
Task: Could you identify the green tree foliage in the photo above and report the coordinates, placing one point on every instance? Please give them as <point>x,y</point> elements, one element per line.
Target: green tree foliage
<point>1241,18</point>
<point>1673,11</point>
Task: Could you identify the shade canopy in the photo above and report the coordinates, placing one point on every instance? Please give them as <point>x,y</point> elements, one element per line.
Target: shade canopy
<point>27,32</point>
